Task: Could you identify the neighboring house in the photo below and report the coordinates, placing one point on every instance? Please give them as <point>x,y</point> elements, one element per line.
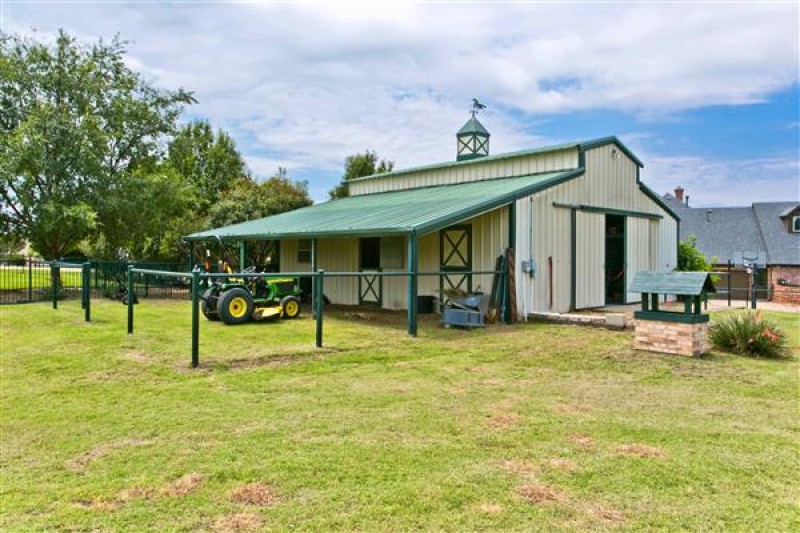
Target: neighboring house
<point>768,231</point>
<point>580,221</point>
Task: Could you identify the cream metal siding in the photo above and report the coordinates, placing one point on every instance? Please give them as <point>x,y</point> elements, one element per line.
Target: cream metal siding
<point>590,282</point>
<point>474,171</point>
<point>610,182</point>
<point>637,251</point>
<point>489,238</point>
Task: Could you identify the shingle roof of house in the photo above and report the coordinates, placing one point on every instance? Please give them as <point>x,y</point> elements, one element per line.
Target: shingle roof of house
<point>783,247</point>
<point>727,232</point>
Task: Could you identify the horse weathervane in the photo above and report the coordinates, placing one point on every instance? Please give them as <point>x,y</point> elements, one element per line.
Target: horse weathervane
<point>477,107</point>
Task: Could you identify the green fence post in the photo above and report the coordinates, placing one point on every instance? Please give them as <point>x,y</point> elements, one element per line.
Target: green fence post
<point>30,279</point>
<point>413,266</point>
<point>54,283</point>
<point>87,292</point>
<point>130,299</point>
<point>319,300</point>
<point>195,318</point>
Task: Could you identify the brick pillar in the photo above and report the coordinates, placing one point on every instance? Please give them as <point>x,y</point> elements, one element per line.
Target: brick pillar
<point>671,337</point>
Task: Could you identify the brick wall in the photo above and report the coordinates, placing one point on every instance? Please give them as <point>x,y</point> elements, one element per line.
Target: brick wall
<point>671,337</point>
<point>785,294</point>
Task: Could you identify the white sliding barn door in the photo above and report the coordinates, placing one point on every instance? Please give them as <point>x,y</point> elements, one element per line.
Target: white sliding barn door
<point>590,247</point>
<point>637,251</point>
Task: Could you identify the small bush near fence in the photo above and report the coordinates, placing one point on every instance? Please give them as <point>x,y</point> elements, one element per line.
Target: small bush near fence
<point>748,334</point>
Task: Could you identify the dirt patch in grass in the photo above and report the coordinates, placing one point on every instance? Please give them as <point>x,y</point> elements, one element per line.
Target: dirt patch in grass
<point>640,450</point>
<point>538,493</point>
<point>490,508</point>
<point>559,463</point>
<point>524,468</point>
<point>97,505</point>
<point>183,485</point>
<point>611,516</point>
<point>584,441</point>
<point>237,523</point>
<point>81,462</point>
<point>503,421</point>
<point>569,409</point>
<point>254,494</point>
<point>137,355</point>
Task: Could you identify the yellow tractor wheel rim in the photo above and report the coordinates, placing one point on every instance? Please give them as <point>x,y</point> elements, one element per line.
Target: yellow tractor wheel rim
<point>238,307</point>
<point>291,308</point>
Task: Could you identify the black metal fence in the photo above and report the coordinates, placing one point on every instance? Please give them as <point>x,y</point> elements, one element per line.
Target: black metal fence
<point>27,279</point>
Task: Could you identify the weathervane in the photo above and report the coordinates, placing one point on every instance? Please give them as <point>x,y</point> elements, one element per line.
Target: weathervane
<point>477,107</point>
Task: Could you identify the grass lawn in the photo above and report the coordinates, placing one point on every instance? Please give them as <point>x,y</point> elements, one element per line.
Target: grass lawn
<point>531,427</point>
<point>16,277</point>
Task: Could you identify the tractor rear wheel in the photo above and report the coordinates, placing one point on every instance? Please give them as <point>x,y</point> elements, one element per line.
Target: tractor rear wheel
<point>208,304</point>
<point>235,306</point>
<point>291,306</point>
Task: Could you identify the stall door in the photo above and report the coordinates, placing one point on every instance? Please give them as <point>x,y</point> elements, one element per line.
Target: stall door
<point>455,258</point>
<point>590,258</point>
<point>637,251</point>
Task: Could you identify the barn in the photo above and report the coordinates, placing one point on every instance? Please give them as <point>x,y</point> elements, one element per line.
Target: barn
<point>577,216</point>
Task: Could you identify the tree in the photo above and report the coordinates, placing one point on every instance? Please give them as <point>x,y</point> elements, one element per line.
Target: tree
<point>358,166</point>
<point>690,258</point>
<point>209,161</point>
<point>248,200</point>
<point>80,134</point>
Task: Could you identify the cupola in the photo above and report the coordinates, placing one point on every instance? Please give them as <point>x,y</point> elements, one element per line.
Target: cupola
<point>472,139</point>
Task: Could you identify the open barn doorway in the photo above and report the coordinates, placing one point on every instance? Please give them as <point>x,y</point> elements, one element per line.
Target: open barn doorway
<point>615,259</point>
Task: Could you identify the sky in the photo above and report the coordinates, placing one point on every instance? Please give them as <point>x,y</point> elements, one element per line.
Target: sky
<point>705,93</point>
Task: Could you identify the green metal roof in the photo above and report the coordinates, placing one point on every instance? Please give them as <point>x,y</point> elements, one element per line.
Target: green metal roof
<point>680,283</point>
<point>582,145</point>
<point>473,126</point>
<point>398,212</point>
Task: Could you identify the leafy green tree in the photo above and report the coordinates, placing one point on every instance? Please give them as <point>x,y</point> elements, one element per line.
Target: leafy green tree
<point>79,134</point>
<point>248,200</point>
<point>358,166</point>
<point>209,161</point>
<point>690,258</point>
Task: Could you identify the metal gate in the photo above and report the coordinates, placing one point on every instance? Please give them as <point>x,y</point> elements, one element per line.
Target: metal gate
<point>455,258</point>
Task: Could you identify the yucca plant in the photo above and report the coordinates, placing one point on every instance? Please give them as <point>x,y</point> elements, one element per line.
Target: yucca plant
<point>748,334</point>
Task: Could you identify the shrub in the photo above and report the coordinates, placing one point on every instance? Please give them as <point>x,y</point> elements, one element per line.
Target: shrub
<point>748,334</point>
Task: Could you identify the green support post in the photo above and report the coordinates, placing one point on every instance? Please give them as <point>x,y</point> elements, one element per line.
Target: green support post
<point>314,278</point>
<point>698,308</point>
<point>319,299</point>
<point>130,299</point>
<point>195,318</point>
<point>687,305</point>
<point>412,283</point>
<point>645,301</point>
<point>242,255</point>
<point>54,282</point>
<point>654,296</point>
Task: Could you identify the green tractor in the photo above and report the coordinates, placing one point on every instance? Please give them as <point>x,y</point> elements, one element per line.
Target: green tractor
<point>239,300</point>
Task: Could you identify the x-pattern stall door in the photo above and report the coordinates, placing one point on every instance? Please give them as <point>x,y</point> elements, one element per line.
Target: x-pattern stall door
<point>455,258</point>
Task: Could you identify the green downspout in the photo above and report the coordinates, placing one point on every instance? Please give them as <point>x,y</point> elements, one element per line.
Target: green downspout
<point>573,282</point>
<point>242,255</point>
<point>512,243</point>
<point>412,283</point>
<point>314,293</point>
<point>195,318</point>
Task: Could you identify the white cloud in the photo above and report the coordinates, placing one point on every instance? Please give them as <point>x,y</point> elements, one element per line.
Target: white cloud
<point>303,85</point>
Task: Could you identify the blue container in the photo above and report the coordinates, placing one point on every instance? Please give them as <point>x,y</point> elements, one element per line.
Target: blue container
<point>462,317</point>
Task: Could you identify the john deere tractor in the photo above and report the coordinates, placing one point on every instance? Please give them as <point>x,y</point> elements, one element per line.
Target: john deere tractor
<point>239,300</point>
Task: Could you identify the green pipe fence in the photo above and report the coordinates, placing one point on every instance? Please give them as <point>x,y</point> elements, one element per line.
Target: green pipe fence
<point>318,300</point>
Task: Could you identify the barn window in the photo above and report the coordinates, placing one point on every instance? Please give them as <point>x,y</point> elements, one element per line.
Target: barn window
<point>304,251</point>
<point>381,252</point>
<point>796,224</point>
<point>392,252</point>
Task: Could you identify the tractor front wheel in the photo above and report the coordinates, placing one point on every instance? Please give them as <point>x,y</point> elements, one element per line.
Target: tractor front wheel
<point>235,306</point>
<point>291,306</point>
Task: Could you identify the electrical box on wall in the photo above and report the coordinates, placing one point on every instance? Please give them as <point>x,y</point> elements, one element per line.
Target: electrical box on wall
<point>529,267</point>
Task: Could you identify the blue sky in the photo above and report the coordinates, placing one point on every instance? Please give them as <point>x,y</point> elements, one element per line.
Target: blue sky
<point>706,94</point>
